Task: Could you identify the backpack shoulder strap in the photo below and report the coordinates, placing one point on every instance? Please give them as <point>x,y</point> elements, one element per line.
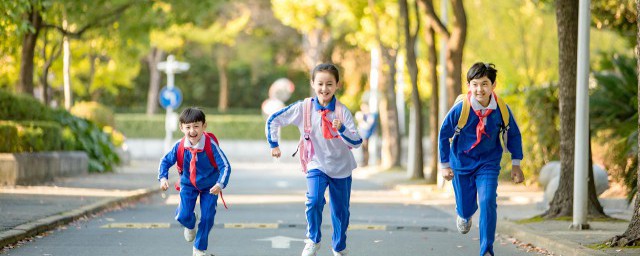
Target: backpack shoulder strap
<point>339,110</point>
<point>306,114</point>
<point>503,111</point>
<point>208,148</point>
<point>180,155</point>
<point>464,116</point>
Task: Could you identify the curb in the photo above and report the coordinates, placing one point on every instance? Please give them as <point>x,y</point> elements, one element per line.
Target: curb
<point>551,243</point>
<point>36,227</point>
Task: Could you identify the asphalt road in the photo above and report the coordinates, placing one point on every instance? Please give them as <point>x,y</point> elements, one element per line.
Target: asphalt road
<point>266,217</point>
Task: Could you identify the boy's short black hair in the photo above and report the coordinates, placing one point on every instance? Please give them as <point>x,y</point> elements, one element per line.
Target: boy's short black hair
<point>481,69</point>
<point>192,115</point>
<point>326,67</point>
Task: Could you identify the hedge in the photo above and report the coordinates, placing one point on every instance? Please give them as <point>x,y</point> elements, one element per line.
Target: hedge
<point>21,107</point>
<point>31,136</point>
<point>243,127</point>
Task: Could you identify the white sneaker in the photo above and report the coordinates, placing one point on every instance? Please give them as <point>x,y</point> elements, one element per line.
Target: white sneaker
<point>190,234</point>
<point>463,225</point>
<point>311,248</point>
<point>197,252</point>
<point>342,253</point>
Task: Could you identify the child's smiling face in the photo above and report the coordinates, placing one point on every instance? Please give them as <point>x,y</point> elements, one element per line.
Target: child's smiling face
<point>193,131</point>
<point>324,84</point>
<point>481,89</point>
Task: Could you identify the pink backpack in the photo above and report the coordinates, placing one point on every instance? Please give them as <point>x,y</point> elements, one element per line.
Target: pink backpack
<point>305,146</point>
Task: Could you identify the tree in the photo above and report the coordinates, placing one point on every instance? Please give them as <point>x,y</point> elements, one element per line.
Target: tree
<point>562,202</point>
<point>430,39</point>
<point>456,38</point>
<point>414,168</point>
<point>391,143</point>
<point>631,236</point>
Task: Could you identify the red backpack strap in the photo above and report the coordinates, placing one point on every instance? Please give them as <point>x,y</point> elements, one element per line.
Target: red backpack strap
<point>209,149</point>
<point>180,156</point>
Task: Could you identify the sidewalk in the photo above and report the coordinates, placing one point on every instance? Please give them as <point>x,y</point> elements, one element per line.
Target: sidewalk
<point>30,210</point>
<point>517,202</point>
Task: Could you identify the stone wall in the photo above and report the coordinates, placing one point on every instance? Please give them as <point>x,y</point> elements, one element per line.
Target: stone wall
<point>37,168</point>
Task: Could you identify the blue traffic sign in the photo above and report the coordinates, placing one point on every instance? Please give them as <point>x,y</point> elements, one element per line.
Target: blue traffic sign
<point>170,97</point>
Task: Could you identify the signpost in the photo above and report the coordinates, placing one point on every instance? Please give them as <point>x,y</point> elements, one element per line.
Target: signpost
<point>170,96</point>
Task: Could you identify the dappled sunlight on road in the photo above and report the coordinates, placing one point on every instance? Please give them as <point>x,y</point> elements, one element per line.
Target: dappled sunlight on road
<point>65,191</point>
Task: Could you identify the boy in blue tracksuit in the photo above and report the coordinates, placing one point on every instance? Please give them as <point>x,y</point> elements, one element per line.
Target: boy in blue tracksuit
<point>472,157</point>
<point>202,176</point>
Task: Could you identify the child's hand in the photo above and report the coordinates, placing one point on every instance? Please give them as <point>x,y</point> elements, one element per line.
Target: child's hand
<point>337,124</point>
<point>164,184</point>
<point>516,174</point>
<point>275,152</point>
<point>447,174</point>
<point>215,189</point>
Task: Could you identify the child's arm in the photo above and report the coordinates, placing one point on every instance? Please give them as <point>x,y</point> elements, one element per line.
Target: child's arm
<point>514,140</point>
<point>291,114</point>
<point>167,161</point>
<point>223,165</point>
<point>514,144</point>
<point>446,132</point>
<point>347,130</point>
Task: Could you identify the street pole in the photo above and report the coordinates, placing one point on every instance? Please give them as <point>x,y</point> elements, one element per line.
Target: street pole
<point>400,93</point>
<point>171,67</point>
<point>581,160</point>
<point>443,106</point>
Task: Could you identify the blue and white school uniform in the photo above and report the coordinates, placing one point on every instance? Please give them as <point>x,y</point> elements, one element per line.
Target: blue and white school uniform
<point>206,177</point>
<point>331,165</point>
<point>476,171</point>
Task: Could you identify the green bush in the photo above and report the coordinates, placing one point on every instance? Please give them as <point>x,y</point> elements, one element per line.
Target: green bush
<point>21,107</point>
<point>240,127</point>
<point>101,115</point>
<point>31,136</point>
<point>89,138</point>
<point>9,136</point>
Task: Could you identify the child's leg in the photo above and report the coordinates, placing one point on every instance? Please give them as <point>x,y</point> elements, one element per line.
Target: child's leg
<point>464,187</point>
<point>340,195</point>
<point>184,212</point>
<point>487,183</point>
<point>317,183</point>
<point>208,203</point>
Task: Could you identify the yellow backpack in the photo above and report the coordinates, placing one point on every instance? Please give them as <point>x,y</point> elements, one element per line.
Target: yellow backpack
<point>464,116</point>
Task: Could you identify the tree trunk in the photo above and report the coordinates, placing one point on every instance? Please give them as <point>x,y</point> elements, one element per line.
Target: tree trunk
<point>430,38</point>
<point>223,96</point>
<point>390,129</point>
<point>567,22</point>
<point>55,53</point>
<point>455,46</point>
<point>631,236</point>
<point>391,143</point>
<point>28,51</point>
<point>66,72</point>
<point>153,58</point>
<point>415,168</point>
<point>594,208</point>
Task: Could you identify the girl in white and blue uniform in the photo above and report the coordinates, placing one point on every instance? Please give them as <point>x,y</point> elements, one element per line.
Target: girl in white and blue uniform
<point>332,163</point>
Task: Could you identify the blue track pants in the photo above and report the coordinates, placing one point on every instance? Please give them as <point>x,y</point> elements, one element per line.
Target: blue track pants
<point>339,194</point>
<point>481,186</point>
<point>186,216</point>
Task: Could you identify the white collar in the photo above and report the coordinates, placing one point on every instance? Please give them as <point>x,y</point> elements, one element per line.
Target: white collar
<point>199,146</point>
<point>475,104</point>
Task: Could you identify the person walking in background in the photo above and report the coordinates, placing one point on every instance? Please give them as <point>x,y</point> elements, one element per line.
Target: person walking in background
<point>470,151</point>
<point>367,123</point>
<point>327,135</point>
<point>206,173</point>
